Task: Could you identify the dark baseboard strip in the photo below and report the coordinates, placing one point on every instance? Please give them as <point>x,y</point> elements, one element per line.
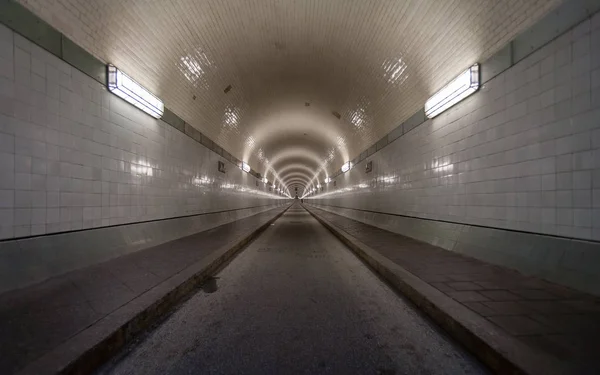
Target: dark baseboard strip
<point>133,223</point>
<point>457,223</point>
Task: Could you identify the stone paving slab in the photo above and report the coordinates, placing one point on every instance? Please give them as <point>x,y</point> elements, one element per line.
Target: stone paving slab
<point>559,322</point>
<point>38,319</point>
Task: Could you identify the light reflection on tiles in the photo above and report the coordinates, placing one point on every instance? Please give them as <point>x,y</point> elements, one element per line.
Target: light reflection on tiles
<point>376,67</point>
<point>88,168</point>
<point>497,159</point>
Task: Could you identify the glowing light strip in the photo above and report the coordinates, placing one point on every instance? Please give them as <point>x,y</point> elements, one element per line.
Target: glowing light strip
<point>245,167</point>
<point>126,88</point>
<point>346,167</point>
<point>461,87</point>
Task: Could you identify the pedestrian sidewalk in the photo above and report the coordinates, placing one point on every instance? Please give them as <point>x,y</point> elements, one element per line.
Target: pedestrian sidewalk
<point>37,320</point>
<point>559,322</point>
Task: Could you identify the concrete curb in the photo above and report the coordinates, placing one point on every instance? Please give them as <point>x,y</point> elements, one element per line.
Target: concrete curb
<point>502,353</point>
<point>90,348</point>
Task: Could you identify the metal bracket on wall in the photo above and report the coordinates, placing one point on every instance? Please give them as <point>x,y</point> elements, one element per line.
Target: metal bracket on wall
<point>221,167</point>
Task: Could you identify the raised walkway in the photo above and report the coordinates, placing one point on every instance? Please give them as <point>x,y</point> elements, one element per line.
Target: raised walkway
<point>511,321</point>
<point>73,322</point>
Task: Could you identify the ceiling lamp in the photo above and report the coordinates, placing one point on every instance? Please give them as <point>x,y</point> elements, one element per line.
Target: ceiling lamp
<point>460,88</point>
<point>245,167</point>
<point>126,88</point>
<point>346,167</point>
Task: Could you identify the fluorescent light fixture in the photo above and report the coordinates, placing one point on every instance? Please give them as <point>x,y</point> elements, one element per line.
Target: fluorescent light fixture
<point>265,180</point>
<point>245,167</point>
<point>327,180</point>
<point>318,186</point>
<point>346,167</point>
<point>126,88</point>
<point>460,88</point>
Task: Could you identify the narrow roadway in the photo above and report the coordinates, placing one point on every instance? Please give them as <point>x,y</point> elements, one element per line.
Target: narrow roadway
<point>296,301</point>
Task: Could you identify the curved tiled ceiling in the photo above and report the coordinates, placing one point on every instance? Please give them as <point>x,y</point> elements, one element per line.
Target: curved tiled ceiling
<point>292,64</point>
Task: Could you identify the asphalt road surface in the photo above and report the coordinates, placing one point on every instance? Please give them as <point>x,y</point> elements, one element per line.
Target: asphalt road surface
<point>296,301</point>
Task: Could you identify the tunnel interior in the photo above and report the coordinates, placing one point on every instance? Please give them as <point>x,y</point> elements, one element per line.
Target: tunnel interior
<point>144,144</point>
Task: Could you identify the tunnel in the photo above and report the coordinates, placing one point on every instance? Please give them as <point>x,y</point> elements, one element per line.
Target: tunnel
<point>299,186</point>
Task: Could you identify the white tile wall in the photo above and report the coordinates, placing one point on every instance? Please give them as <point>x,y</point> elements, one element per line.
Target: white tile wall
<point>73,156</point>
<point>523,153</point>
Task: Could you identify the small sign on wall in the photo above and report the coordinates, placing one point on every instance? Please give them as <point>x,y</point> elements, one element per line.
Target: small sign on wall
<point>222,167</point>
<point>369,166</point>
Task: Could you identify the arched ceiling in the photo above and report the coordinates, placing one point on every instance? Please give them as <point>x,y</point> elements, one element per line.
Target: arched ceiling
<point>294,66</point>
